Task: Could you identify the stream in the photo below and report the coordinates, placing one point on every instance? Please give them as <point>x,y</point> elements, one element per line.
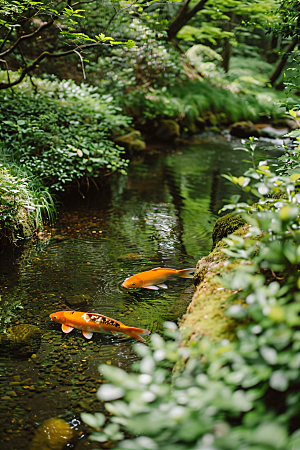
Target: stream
<point>161,214</point>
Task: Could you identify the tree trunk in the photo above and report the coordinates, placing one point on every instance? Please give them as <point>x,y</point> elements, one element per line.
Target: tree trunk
<point>280,65</point>
<point>183,16</point>
<point>226,53</point>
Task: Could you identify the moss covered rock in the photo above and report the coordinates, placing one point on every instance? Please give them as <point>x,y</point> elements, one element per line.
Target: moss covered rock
<point>243,129</point>
<point>167,130</point>
<point>131,141</point>
<point>20,340</point>
<point>226,225</point>
<point>206,314</point>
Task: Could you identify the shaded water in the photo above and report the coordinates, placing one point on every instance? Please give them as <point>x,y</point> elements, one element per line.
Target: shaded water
<point>160,215</point>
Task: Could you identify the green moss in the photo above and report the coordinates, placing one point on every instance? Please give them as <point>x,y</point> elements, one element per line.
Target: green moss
<point>225,226</point>
<point>206,313</point>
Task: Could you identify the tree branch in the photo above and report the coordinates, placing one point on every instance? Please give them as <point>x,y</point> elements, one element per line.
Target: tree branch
<point>34,33</point>
<point>82,65</point>
<point>42,56</point>
<point>7,71</point>
<point>280,64</point>
<point>80,3</point>
<point>5,39</point>
<point>183,16</point>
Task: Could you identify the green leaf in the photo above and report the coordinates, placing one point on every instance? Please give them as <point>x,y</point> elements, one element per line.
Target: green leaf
<point>278,381</point>
<point>96,420</point>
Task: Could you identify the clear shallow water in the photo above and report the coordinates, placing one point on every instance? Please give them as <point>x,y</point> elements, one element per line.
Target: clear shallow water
<point>160,215</point>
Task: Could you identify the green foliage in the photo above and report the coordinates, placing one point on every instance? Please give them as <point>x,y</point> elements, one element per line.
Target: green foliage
<point>288,25</point>
<point>22,201</point>
<point>193,100</point>
<point>241,394</point>
<point>150,65</point>
<point>149,83</point>
<point>203,58</point>
<point>206,33</point>
<point>62,137</point>
<point>23,21</point>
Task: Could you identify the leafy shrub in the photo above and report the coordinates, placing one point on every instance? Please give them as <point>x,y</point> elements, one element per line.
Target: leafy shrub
<point>23,204</point>
<point>204,59</point>
<point>151,64</point>
<point>62,135</point>
<point>231,395</point>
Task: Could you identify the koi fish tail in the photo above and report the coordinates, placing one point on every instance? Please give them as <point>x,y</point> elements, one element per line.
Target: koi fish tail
<point>186,273</point>
<point>136,332</point>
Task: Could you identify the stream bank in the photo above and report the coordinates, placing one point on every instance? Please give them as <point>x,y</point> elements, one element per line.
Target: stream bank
<point>160,214</point>
<point>206,313</point>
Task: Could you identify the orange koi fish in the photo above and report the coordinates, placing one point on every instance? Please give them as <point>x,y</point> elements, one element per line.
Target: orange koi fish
<point>151,278</point>
<point>90,323</point>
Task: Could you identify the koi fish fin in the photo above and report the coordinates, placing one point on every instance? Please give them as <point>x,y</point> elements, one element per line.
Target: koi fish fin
<point>66,329</point>
<point>87,334</point>
<point>164,286</point>
<point>186,273</point>
<point>154,288</point>
<point>136,332</point>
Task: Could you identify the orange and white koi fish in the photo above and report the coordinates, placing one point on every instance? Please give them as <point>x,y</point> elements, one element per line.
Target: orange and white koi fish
<point>90,323</point>
<point>153,279</point>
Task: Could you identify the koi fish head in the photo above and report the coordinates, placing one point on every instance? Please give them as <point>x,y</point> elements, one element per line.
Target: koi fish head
<point>133,282</point>
<point>58,317</point>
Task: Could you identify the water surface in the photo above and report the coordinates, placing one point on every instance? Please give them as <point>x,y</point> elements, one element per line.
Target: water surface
<point>160,214</point>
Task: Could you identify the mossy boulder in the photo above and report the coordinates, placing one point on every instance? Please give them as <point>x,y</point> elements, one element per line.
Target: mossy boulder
<point>210,119</point>
<point>20,340</point>
<point>167,130</point>
<point>131,141</point>
<point>206,314</point>
<point>243,129</point>
<point>226,225</point>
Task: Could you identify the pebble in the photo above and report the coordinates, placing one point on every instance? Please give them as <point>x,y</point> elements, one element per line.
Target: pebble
<point>12,394</point>
<point>26,381</point>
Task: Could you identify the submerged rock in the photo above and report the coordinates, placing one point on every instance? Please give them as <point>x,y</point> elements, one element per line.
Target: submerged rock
<point>21,340</point>
<point>78,300</point>
<point>131,141</point>
<point>243,129</point>
<point>132,256</point>
<point>54,434</point>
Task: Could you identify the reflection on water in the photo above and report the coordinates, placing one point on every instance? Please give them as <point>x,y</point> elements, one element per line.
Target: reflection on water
<point>160,215</point>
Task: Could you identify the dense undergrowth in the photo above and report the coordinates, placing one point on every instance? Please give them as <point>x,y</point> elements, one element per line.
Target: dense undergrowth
<point>62,133</point>
<point>156,84</point>
<point>240,394</point>
<point>24,204</point>
<point>53,135</point>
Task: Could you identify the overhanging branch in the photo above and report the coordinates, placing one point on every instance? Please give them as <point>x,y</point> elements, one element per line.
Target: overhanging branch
<point>42,56</point>
<point>27,36</point>
<point>183,16</point>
